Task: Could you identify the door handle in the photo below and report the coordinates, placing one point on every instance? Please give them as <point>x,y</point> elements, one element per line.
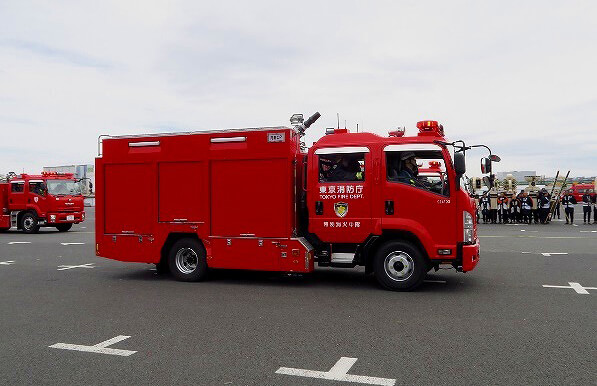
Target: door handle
<point>319,207</point>
<point>389,207</point>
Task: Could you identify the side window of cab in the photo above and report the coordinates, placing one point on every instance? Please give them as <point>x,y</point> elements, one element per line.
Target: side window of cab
<point>17,187</point>
<point>420,168</point>
<point>342,164</point>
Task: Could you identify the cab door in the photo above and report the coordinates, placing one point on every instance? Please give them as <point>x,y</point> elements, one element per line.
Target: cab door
<point>427,207</point>
<point>340,194</point>
<point>36,196</point>
<point>16,197</point>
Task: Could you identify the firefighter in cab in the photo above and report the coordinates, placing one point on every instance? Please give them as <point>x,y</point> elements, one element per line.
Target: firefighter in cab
<point>346,168</point>
<point>568,201</point>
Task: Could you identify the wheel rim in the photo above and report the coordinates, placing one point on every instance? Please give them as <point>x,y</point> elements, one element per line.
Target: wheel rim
<point>28,223</point>
<point>399,266</point>
<point>186,260</point>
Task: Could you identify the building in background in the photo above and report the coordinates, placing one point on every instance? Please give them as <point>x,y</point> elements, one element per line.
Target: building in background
<point>518,175</point>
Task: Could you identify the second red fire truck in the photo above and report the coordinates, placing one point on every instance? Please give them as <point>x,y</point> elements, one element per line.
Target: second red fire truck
<point>28,202</point>
<point>254,199</point>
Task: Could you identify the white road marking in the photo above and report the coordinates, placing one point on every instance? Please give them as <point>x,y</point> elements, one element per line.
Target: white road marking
<point>72,243</point>
<point>553,253</point>
<point>83,227</point>
<point>527,252</point>
<point>9,262</point>
<point>588,231</point>
<point>435,281</point>
<point>339,372</point>
<point>100,348</point>
<point>19,242</point>
<point>65,267</point>
<point>575,286</point>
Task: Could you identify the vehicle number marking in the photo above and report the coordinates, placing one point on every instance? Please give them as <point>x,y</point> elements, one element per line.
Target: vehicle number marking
<point>443,201</point>
<point>276,137</point>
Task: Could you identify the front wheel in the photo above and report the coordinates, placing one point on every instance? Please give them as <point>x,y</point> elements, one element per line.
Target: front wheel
<point>399,266</point>
<point>187,261</point>
<point>64,227</point>
<point>29,223</point>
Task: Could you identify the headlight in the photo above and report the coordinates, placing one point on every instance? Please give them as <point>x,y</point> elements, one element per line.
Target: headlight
<point>467,220</point>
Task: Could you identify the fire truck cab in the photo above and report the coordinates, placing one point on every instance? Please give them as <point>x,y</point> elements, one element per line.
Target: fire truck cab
<point>253,199</point>
<point>29,202</point>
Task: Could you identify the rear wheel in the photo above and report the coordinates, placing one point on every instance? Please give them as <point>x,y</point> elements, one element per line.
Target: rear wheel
<point>64,227</point>
<point>29,223</point>
<point>187,261</point>
<point>399,266</point>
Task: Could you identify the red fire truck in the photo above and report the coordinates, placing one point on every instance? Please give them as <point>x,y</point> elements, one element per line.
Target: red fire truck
<point>254,199</point>
<point>29,202</point>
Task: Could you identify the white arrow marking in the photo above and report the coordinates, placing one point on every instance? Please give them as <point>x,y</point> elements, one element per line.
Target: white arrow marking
<point>19,242</point>
<point>575,286</point>
<point>9,262</point>
<point>339,372</point>
<point>553,253</point>
<point>65,267</point>
<point>100,348</point>
<point>72,243</point>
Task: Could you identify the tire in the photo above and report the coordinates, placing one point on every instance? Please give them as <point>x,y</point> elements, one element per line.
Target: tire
<point>64,227</point>
<point>187,261</point>
<point>29,223</point>
<point>399,266</point>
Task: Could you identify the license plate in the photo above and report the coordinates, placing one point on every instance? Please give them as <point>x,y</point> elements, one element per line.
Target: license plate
<point>70,218</point>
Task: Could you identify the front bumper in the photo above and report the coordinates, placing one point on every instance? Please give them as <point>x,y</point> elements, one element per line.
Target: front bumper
<point>470,256</point>
<point>64,218</point>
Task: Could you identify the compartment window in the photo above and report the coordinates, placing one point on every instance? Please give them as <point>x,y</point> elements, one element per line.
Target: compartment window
<point>342,167</point>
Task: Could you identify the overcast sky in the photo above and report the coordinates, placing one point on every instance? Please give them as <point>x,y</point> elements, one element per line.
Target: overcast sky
<point>519,76</point>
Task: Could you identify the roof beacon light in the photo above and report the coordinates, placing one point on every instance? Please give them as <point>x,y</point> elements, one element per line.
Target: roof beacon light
<point>431,128</point>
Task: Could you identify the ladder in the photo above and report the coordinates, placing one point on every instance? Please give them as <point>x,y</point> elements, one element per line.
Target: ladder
<point>556,194</point>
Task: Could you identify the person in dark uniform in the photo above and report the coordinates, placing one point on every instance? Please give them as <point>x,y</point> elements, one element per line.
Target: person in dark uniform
<point>519,196</point>
<point>503,209</point>
<point>594,203</point>
<point>346,169</point>
<point>568,201</point>
<point>526,203</point>
<point>515,209</point>
<point>586,207</point>
<point>485,207</point>
<point>543,204</point>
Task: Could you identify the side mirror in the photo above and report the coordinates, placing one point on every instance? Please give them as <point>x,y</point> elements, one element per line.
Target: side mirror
<point>495,158</point>
<point>485,165</point>
<point>459,164</point>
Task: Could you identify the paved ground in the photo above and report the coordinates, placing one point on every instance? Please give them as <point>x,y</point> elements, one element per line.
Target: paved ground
<point>496,325</point>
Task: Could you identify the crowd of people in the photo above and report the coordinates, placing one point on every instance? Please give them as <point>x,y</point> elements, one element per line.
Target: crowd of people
<point>521,209</point>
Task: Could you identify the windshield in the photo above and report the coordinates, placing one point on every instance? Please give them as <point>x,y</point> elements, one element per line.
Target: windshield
<point>63,187</point>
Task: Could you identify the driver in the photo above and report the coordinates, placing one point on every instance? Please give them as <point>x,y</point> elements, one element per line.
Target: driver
<point>409,170</point>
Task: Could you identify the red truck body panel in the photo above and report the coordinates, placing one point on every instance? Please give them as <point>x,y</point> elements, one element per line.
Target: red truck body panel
<point>234,190</point>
